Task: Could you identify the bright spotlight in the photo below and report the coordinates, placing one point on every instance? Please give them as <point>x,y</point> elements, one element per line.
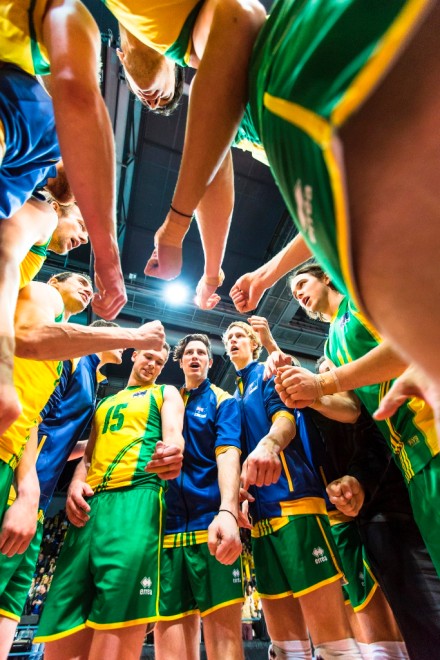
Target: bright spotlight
<point>176,293</point>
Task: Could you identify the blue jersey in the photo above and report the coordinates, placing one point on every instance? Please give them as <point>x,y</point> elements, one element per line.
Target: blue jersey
<point>31,144</point>
<point>211,425</point>
<point>298,490</point>
<point>65,420</point>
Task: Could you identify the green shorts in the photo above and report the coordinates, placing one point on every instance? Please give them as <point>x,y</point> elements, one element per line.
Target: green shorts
<point>361,583</point>
<point>424,494</point>
<point>192,580</point>
<point>313,65</point>
<point>16,577</point>
<point>296,559</point>
<point>108,571</point>
<point>6,477</point>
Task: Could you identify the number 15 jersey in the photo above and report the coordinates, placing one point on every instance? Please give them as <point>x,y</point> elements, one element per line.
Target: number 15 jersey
<point>128,425</point>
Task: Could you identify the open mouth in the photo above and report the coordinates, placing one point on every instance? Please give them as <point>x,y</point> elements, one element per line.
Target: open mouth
<point>306,301</point>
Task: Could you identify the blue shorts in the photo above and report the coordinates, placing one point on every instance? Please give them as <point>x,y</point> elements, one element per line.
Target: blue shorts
<point>31,143</point>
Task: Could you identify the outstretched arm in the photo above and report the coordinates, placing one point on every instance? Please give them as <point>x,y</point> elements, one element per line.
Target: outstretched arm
<point>86,140</point>
<point>38,337</point>
<point>223,38</point>
<point>249,288</point>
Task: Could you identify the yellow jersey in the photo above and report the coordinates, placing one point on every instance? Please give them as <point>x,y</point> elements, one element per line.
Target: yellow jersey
<point>164,25</point>
<point>21,33</point>
<point>128,425</point>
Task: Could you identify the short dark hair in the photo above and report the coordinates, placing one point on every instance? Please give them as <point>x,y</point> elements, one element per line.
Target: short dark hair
<point>100,323</point>
<point>62,277</point>
<point>179,349</point>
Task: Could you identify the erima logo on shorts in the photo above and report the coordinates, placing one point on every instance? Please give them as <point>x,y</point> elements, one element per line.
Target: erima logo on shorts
<point>319,555</point>
<point>236,577</point>
<point>146,587</point>
<point>304,209</point>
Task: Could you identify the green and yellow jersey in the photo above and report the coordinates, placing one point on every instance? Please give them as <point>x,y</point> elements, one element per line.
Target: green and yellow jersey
<point>128,425</point>
<point>21,33</point>
<point>410,432</point>
<point>34,381</point>
<point>32,263</point>
<point>164,25</point>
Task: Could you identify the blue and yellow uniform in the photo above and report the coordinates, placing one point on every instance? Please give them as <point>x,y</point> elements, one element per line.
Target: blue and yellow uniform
<point>313,65</point>
<point>333,449</point>
<point>410,432</point>
<point>191,579</point>
<point>292,544</point>
<point>27,123</point>
<point>103,581</point>
<point>65,419</point>
<point>165,26</point>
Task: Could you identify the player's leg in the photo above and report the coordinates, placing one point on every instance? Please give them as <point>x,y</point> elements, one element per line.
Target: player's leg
<point>118,644</point>
<point>222,633</point>
<point>72,647</point>
<point>178,639</point>
<point>392,161</point>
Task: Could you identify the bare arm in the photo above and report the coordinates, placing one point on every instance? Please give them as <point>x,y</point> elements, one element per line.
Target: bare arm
<point>20,520</point>
<point>217,203</point>
<point>77,507</point>
<point>168,456</point>
<point>38,337</point>
<point>249,288</point>
<point>223,533</point>
<point>78,450</point>
<point>86,140</point>
<point>302,387</point>
<point>342,407</point>
<point>261,327</point>
<point>263,466</point>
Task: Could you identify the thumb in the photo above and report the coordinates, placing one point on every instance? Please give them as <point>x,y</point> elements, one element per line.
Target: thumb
<point>88,491</point>
<point>390,403</point>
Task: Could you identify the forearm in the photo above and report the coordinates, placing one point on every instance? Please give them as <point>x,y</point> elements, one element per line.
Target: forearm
<point>340,407</point>
<point>378,365</point>
<point>294,254</point>
<point>173,436</point>
<point>218,97</point>
<point>280,434</point>
<point>62,341</point>
<point>228,464</point>
<point>26,479</point>
<point>214,213</point>
<point>81,470</point>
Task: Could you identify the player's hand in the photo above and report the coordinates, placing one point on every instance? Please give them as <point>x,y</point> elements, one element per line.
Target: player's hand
<point>275,361</point>
<point>111,296</point>
<point>166,259</point>
<point>19,527</point>
<point>76,505</point>
<point>166,461</point>
<point>224,538</point>
<point>260,325</point>
<point>150,336</point>
<point>206,298</point>
<point>247,293</point>
<point>262,467</point>
<point>296,386</point>
<point>413,382</point>
<point>347,494</point>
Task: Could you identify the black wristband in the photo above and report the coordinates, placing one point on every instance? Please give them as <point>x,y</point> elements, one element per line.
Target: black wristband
<point>227,511</point>
<point>184,215</point>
